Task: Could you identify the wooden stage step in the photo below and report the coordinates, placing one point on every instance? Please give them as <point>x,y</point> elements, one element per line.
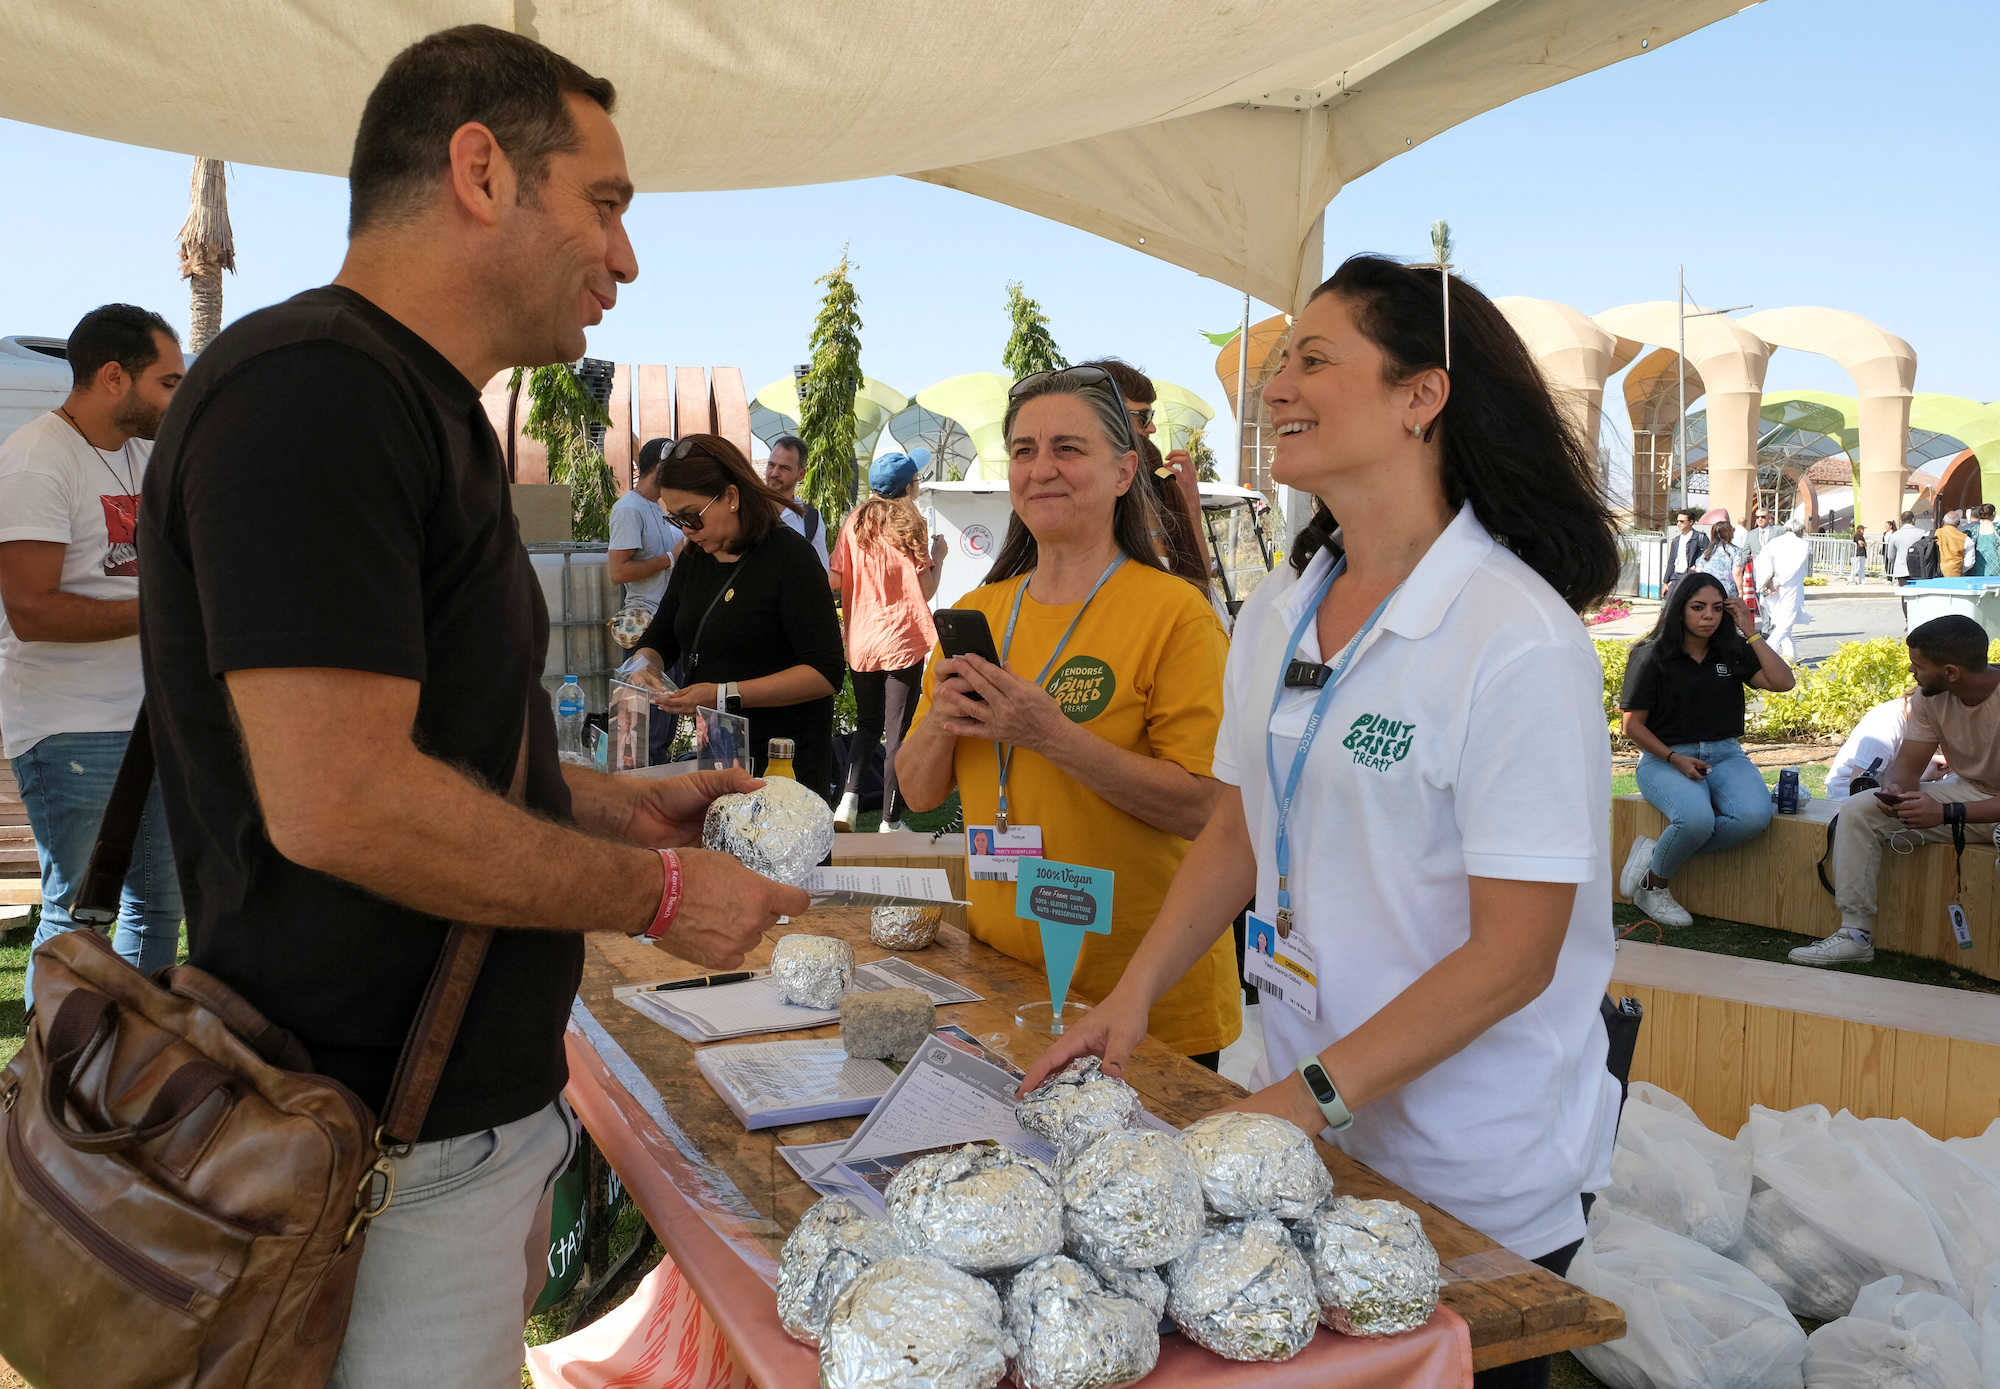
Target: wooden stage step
<point>1725,1033</point>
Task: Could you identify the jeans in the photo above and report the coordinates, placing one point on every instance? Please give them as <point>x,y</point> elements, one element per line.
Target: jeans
<point>66,783</point>
<point>1729,807</point>
<point>1857,572</point>
<point>452,1267</point>
<point>884,701</point>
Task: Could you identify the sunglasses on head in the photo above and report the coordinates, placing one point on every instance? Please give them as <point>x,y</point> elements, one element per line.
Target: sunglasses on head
<point>1090,378</point>
<point>687,448</point>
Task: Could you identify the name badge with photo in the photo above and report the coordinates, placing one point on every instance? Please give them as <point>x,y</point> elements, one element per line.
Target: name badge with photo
<point>994,855</point>
<point>1281,967</point>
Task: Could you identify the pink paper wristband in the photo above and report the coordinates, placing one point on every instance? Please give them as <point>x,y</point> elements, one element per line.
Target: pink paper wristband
<point>670,895</point>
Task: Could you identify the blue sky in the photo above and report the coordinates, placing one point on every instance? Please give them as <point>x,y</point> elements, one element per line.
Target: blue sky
<point>1833,152</point>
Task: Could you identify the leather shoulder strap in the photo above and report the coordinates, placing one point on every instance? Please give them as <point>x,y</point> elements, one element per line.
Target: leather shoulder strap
<point>96,902</point>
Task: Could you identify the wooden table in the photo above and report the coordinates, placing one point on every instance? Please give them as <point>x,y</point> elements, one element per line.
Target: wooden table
<point>1514,1309</point>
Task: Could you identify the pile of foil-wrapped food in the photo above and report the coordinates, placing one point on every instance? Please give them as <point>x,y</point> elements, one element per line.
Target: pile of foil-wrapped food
<point>994,1263</point>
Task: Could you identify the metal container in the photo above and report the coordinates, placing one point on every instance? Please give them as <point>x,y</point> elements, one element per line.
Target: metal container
<point>576,585</point>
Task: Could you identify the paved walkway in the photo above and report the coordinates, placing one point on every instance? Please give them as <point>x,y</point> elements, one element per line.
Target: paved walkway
<point>1840,613</point>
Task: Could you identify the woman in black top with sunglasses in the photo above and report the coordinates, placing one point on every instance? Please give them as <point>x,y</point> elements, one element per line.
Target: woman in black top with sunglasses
<point>747,614</point>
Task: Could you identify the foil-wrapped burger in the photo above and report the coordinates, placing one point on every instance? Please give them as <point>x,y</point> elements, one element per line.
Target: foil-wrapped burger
<point>812,971</point>
<point>781,829</point>
<point>1132,1199</point>
<point>1070,1332</point>
<point>1144,1286</point>
<point>1244,1292</point>
<point>1078,1105</point>
<point>911,1322</point>
<point>981,1208</point>
<point>1255,1165</point>
<point>1374,1271</point>
<point>833,1242</point>
<point>904,928</point>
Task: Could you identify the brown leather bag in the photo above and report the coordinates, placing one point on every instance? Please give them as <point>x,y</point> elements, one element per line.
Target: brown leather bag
<point>182,1201</point>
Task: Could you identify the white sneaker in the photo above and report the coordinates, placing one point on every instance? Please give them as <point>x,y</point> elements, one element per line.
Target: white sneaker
<point>849,812</point>
<point>891,827</point>
<point>1659,904</point>
<point>1633,875</point>
<point>1837,949</point>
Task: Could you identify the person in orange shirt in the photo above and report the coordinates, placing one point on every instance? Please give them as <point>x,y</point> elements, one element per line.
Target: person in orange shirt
<point>1092,741</point>
<point>885,568</point>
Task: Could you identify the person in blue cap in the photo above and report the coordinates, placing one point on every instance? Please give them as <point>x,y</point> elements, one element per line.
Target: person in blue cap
<point>885,568</point>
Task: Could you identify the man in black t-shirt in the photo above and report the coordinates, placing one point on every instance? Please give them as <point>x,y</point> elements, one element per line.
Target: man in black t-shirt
<point>338,756</point>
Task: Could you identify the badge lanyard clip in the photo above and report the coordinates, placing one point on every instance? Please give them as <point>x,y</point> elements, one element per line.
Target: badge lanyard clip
<point>1334,671</point>
<point>1005,760</point>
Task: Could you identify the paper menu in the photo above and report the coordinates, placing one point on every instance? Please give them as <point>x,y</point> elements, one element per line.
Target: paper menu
<point>869,885</point>
<point>792,1082</point>
<point>758,1005</point>
<point>945,1096</point>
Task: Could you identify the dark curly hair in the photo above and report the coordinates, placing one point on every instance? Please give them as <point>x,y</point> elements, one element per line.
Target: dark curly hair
<point>1508,447</point>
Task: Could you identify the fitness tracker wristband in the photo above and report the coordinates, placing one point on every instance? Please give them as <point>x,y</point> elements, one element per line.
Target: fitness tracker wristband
<point>1329,1101</point>
<point>670,896</point>
<point>732,698</point>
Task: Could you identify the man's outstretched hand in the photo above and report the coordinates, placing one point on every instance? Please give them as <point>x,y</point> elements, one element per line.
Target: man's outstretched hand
<point>725,909</point>
<point>668,813</point>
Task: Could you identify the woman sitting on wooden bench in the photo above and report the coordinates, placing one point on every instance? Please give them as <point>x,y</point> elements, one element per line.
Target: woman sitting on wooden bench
<point>1683,706</point>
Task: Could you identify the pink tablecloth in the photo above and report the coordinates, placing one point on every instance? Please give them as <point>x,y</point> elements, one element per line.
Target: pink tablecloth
<point>707,1319</point>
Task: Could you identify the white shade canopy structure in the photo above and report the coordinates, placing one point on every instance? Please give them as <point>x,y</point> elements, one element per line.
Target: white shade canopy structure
<point>1884,368</point>
<point>1576,354</point>
<point>1221,160</point>
<point>1731,360</point>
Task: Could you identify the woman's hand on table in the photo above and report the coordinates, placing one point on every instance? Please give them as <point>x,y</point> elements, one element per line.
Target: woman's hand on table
<point>667,812</point>
<point>1008,709</point>
<point>725,910</point>
<point>1111,1030</point>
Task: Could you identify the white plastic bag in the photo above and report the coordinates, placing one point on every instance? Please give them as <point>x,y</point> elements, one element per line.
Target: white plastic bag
<point>1673,1171</point>
<point>1898,1340</point>
<point>1815,1276</point>
<point>1694,1320</point>
<point>1983,1150</point>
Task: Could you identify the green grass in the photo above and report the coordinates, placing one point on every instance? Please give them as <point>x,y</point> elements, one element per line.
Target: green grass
<point>1812,776</point>
<point>928,820</point>
<point>1719,937</point>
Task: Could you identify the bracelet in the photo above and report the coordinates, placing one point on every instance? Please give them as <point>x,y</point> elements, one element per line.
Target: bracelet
<point>670,896</point>
<point>1954,812</point>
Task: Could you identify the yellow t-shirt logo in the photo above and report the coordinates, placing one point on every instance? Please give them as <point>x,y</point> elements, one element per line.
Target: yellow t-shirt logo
<point>1082,686</point>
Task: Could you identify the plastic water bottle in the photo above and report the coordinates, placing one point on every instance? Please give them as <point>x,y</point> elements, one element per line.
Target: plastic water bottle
<point>569,722</point>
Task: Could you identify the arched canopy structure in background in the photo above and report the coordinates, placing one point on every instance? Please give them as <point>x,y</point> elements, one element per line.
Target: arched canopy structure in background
<point>875,404</point>
<point>1220,158</point>
<point>1653,403</point>
<point>1884,371</point>
<point>978,401</point>
<point>1731,362</point>
<point>1577,355</point>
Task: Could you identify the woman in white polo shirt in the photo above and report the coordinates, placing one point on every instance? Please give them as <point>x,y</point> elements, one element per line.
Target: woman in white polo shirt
<point>1439,884</point>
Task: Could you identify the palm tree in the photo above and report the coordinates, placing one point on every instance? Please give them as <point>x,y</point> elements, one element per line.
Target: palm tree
<point>207,249</point>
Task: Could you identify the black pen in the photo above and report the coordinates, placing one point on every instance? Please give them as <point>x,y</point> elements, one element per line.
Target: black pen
<point>700,982</point>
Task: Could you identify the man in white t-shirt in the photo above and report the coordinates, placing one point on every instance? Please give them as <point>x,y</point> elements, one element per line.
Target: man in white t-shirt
<point>70,683</point>
<point>782,471</point>
<point>643,542</point>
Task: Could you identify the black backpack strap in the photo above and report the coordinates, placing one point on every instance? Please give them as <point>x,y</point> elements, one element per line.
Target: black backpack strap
<point>96,900</point>
<point>812,521</point>
<point>1827,857</point>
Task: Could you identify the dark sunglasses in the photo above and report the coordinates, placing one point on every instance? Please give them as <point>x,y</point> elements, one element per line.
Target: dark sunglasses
<point>1090,378</point>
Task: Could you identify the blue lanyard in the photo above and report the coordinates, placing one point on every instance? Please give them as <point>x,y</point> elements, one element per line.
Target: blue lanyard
<point>1006,759</point>
<point>1339,668</point>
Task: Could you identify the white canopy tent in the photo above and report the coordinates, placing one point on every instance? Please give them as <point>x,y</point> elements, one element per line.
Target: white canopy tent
<point>1221,160</point>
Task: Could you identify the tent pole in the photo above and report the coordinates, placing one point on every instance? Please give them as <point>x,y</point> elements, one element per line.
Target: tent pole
<point>1242,386</point>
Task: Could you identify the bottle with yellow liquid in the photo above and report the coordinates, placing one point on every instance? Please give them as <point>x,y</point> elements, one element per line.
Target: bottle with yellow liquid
<point>780,761</point>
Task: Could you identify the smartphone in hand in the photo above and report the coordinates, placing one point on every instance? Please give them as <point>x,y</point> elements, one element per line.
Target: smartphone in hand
<point>964,632</point>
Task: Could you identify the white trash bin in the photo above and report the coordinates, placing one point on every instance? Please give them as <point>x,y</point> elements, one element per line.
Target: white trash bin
<point>1976,598</point>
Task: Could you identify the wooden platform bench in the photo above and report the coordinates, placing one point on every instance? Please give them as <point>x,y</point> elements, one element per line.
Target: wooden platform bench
<point>1773,881</point>
<point>1724,1033</point>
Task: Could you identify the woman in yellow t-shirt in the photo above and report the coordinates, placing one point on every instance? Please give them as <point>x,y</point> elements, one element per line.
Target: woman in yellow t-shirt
<point>1107,753</point>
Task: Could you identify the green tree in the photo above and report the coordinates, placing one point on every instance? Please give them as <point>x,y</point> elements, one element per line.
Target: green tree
<point>1030,348</point>
<point>1204,458</point>
<point>826,397</point>
<point>560,414</point>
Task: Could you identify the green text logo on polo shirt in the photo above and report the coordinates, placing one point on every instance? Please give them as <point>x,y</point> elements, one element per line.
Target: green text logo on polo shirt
<point>1082,686</point>
<point>1378,741</point>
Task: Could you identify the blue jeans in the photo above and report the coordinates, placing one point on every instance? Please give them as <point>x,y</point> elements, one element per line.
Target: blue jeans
<point>1731,806</point>
<point>66,783</point>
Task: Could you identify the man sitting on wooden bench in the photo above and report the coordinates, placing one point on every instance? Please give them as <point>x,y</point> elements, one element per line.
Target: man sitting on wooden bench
<point>1953,709</point>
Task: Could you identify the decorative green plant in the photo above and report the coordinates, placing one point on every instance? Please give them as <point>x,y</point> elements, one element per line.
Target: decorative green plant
<point>560,414</point>
<point>1830,698</point>
<point>1203,457</point>
<point>1612,655</point>
<point>1029,348</point>
<point>826,397</point>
